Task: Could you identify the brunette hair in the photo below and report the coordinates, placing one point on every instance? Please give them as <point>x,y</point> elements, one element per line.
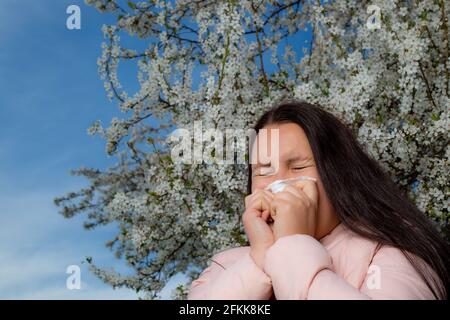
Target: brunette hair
<point>363,195</point>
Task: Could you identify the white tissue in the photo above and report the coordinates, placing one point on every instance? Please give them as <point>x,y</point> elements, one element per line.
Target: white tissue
<point>279,185</point>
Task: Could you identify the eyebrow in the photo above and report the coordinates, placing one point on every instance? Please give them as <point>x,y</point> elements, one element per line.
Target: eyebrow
<point>296,158</point>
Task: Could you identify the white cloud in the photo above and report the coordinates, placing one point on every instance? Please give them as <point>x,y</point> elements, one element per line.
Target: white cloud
<point>60,293</point>
<point>37,245</point>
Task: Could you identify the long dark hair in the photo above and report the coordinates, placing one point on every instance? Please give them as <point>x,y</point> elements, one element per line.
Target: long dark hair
<point>363,195</point>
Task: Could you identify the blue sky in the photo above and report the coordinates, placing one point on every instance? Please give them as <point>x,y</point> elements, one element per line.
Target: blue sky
<point>50,93</point>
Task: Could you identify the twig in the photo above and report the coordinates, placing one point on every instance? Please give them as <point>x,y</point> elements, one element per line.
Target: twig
<point>429,92</point>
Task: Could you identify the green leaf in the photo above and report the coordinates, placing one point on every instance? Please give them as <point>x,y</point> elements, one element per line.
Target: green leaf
<point>411,120</point>
<point>132,5</point>
<point>153,194</point>
<point>435,117</point>
<point>188,183</point>
<point>423,16</point>
<point>379,119</point>
<point>358,117</point>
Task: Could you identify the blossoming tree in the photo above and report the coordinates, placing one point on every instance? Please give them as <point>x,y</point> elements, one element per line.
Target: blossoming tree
<point>384,70</point>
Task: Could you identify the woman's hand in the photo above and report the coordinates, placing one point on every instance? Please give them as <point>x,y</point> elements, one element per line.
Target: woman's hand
<point>294,210</point>
<point>257,212</point>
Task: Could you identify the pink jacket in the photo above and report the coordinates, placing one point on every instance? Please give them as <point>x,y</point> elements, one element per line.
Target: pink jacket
<point>341,265</point>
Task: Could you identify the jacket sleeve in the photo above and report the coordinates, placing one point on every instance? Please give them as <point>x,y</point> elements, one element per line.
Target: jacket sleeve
<point>301,268</point>
<point>233,274</point>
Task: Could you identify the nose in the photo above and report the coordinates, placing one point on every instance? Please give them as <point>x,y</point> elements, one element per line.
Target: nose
<point>280,174</point>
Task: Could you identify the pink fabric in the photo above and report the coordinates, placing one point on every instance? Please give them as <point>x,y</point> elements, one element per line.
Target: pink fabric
<point>342,265</point>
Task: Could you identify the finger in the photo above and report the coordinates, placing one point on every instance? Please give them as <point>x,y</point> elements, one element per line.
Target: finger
<point>265,215</point>
<point>268,194</point>
<point>291,195</point>
<point>266,202</point>
<point>249,198</point>
<point>274,206</point>
<point>310,189</point>
<point>260,203</point>
<point>266,205</point>
<point>299,201</point>
<point>296,191</point>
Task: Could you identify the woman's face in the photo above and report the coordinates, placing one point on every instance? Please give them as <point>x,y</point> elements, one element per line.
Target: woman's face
<point>290,156</point>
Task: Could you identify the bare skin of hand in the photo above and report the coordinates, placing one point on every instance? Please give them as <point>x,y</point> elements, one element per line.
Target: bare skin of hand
<point>269,217</point>
<point>294,210</point>
<point>255,217</point>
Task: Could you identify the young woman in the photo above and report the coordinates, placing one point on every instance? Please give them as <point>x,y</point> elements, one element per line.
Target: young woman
<point>352,234</point>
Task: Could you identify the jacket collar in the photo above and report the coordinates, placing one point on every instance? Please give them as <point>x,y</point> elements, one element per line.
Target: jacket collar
<point>335,236</point>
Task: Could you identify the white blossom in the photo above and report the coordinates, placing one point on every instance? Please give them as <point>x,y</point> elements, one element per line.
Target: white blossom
<point>390,85</point>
